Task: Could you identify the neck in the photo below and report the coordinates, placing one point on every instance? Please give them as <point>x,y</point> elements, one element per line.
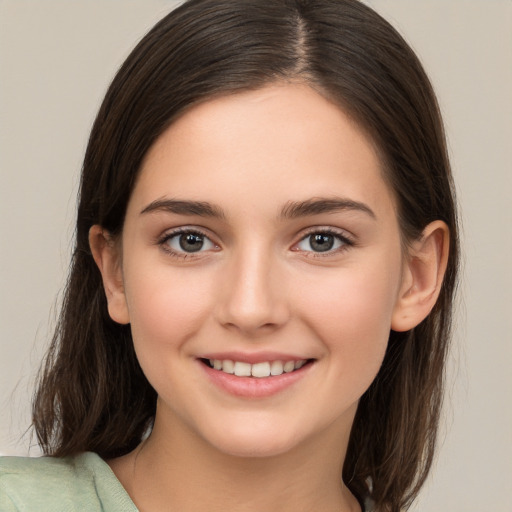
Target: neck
<point>182,472</point>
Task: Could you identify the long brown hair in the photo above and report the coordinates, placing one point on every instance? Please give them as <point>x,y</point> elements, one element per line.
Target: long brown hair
<point>92,394</point>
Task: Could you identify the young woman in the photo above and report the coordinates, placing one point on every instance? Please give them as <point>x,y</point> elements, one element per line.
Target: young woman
<point>259,302</point>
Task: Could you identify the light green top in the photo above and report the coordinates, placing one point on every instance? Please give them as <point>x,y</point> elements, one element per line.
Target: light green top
<point>84,483</point>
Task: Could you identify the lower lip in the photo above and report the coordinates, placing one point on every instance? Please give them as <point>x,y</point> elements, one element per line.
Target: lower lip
<point>255,387</point>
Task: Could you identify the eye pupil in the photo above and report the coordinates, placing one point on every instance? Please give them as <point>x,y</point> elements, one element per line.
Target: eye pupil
<point>321,242</point>
<point>191,242</point>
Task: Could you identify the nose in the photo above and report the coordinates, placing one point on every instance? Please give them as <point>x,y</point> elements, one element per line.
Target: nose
<point>253,298</point>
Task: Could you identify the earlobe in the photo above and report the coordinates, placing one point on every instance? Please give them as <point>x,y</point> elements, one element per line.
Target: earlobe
<point>107,255</point>
<point>422,277</point>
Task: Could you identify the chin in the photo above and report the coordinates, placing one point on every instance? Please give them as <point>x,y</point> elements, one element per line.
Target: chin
<point>254,439</point>
<point>254,448</point>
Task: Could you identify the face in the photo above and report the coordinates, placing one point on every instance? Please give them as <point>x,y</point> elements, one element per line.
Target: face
<point>261,265</point>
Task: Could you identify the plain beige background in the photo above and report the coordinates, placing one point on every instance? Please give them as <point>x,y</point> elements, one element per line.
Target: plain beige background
<point>57,58</point>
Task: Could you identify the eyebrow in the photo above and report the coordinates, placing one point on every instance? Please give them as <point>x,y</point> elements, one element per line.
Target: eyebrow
<point>315,206</point>
<point>201,208</point>
<point>291,210</point>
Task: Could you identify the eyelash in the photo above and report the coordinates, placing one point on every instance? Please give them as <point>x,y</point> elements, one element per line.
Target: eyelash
<point>343,239</point>
<point>163,242</point>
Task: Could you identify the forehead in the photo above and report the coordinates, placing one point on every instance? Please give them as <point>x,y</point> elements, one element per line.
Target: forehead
<point>281,142</point>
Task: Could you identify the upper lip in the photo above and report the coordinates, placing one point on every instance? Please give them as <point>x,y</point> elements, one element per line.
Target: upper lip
<point>253,358</point>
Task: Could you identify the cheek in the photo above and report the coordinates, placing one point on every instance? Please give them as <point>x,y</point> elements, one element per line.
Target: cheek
<point>166,307</point>
<point>360,301</point>
<point>352,319</point>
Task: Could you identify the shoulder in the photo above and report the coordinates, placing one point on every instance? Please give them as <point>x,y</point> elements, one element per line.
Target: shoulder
<point>80,483</point>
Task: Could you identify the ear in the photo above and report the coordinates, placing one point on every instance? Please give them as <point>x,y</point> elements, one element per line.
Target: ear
<point>422,277</point>
<point>107,255</point>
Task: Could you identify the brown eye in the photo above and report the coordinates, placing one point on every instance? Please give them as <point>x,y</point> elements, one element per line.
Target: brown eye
<point>321,242</point>
<point>191,242</point>
<point>188,242</point>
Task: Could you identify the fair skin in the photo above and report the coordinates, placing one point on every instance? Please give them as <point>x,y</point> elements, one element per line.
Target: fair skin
<point>260,232</point>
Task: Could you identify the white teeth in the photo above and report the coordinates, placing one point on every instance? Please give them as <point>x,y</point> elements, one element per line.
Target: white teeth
<point>258,370</point>
<point>228,366</point>
<point>276,368</point>
<point>242,369</point>
<point>289,366</point>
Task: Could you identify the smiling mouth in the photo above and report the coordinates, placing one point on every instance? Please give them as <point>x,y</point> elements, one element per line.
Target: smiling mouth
<point>257,370</point>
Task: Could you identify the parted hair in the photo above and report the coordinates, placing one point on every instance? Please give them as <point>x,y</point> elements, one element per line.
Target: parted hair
<point>92,394</point>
